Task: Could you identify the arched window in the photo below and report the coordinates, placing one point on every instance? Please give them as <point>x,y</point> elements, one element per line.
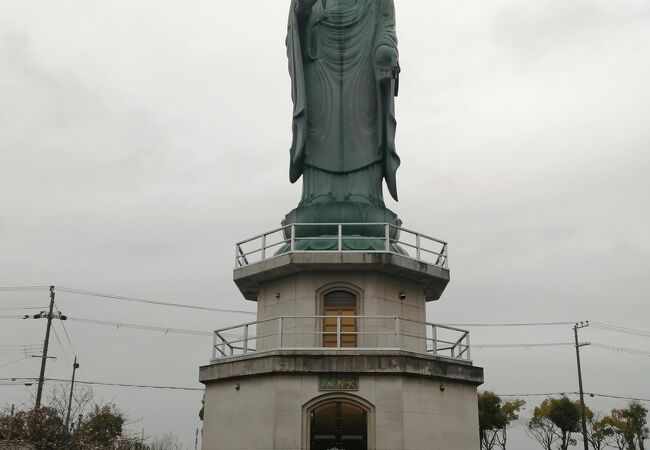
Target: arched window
<point>340,425</point>
<point>340,322</point>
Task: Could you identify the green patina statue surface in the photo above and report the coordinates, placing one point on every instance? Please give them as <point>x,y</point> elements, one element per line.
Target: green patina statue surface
<point>344,69</point>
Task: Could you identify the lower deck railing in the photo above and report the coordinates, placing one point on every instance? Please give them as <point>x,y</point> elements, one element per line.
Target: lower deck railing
<point>343,333</point>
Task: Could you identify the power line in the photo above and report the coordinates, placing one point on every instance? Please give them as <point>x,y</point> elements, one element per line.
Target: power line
<point>18,379</point>
<point>529,345</point>
<point>618,397</point>
<point>151,302</point>
<point>617,349</point>
<point>622,328</point>
<point>618,329</point>
<point>68,338</point>
<point>75,365</point>
<point>545,394</point>
<point>524,324</point>
<point>181,331</point>
<point>14,362</point>
<point>613,348</point>
<point>18,346</point>
<point>140,327</point>
<point>167,330</point>
<point>122,298</point>
<point>20,382</point>
<point>590,394</point>
<point>101,383</point>
<point>22,349</point>
<point>599,325</point>
<point>56,335</point>
<point>142,386</point>
<point>66,332</point>
<point>21,308</point>
<point>23,288</point>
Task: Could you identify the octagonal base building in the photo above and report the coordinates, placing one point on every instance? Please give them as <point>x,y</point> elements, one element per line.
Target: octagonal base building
<point>341,355</point>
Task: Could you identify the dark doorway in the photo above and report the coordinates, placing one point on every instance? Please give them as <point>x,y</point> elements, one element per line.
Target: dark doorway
<point>340,303</point>
<point>339,425</point>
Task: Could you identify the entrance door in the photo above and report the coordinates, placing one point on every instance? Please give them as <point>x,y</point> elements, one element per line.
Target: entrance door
<point>339,425</point>
<point>344,304</point>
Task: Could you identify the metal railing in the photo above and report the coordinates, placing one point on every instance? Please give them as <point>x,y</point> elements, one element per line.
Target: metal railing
<point>343,333</point>
<point>333,237</point>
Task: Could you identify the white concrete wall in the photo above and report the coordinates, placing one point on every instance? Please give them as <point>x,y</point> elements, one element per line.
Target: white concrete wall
<point>301,295</point>
<point>410,413</point>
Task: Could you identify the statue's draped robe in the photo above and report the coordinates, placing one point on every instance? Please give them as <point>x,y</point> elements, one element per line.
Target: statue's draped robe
<point>343,123</point>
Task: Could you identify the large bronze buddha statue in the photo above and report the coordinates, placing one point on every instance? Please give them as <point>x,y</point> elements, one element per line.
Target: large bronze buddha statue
<point>343,62</point>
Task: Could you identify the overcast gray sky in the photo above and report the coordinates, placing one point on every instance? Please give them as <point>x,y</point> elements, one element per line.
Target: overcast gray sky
<point>139,140</point>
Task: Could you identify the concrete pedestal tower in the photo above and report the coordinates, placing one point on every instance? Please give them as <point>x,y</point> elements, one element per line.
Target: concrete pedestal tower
<point>341,356</point>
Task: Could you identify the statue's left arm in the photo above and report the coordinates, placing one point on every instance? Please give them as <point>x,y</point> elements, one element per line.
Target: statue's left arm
<point>386,61</point>
<point>298,13</point>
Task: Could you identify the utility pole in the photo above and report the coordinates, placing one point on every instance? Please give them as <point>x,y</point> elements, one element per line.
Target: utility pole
<point>582,393</point>
<point>11,423</point>
<point>75,366</point>
<point>79,441</point>
<point>41,377</point>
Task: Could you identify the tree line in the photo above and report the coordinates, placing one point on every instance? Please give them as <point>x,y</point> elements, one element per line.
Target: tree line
<point>44,429</point>
<point>556,424</point>
<point>94,426</point>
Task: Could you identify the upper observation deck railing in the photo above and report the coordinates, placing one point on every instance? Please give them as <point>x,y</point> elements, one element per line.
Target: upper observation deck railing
<point>341,333</point>
<point>337,237</point>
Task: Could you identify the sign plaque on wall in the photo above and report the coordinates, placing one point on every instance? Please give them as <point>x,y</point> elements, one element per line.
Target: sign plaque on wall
<point>338,383</point>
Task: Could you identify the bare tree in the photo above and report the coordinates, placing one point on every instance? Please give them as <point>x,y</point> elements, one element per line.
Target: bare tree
<point>542,429</point>
<point>83,399</point>
<point>168,441</point>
